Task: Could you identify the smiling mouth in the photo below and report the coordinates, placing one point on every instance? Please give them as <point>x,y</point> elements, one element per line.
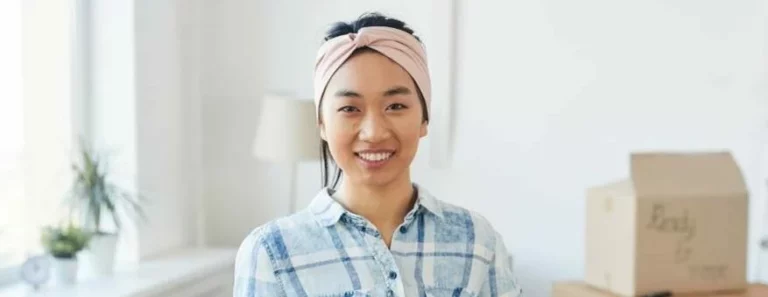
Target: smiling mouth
<point>375,157</point>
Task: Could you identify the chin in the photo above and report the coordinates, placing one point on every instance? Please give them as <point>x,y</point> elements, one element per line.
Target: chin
<point>374,180</point>
<point>379,179</point>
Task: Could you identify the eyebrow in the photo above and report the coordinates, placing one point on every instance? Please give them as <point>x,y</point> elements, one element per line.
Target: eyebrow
<point>347,93</point>
<point>398,90</point>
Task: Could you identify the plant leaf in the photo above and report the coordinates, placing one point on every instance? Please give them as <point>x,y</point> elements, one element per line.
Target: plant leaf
<point>110,205</point>
<point>93,192</point>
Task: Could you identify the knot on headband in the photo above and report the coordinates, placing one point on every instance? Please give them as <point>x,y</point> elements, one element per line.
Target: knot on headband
<point>397,45</point>
<point>361,40</point>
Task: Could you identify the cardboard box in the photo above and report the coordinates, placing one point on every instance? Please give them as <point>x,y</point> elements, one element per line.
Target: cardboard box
<point>581,289</point>
<point>679,224</point>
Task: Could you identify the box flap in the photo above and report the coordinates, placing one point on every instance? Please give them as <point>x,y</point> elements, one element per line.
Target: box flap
<point>710,174</point>
<point>616,189</point>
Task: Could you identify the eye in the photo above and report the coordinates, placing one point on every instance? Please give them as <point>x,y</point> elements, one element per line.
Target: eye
<point>348,109</point>
<point>397,106</point>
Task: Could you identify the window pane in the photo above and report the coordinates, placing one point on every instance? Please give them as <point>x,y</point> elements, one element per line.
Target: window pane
<point>35,122</point>
<point>11,129</point>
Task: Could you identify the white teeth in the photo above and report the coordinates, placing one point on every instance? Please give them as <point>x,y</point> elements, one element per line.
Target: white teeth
<point>375,157</point>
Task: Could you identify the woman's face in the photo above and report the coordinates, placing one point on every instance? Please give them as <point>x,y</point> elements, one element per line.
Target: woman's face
<point>372,119</point>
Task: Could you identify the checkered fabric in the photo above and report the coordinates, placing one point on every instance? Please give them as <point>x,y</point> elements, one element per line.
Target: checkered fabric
<point>324,250</point>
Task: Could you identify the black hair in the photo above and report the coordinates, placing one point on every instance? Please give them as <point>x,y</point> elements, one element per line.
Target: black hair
<point>330,171</point>
<point>371,19</point>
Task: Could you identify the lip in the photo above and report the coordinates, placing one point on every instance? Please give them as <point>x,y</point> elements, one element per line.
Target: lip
<point>374,164</point>
<point>373,151</point>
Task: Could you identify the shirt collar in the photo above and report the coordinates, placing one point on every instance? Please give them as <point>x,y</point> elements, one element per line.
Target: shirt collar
<point>327,211</point>
<point>429,202</point>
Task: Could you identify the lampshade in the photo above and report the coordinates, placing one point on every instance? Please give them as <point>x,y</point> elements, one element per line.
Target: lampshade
<point>287,130</point>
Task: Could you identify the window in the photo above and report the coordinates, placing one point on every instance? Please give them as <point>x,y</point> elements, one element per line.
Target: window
<point>11,129</point>
<point>36,123</point>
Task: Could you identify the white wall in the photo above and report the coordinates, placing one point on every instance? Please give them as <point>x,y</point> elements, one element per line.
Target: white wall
<point>554,95</point>
<point>162,126</point>
<point>144,110</point>
<point>189,19</point>
<point>231,84</point>
<point>551,97</point>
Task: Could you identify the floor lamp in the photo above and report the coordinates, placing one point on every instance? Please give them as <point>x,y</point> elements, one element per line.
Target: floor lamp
<point>287,134</point>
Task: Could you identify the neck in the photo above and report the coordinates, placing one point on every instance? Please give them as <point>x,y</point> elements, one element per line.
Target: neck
<point>385,206</point>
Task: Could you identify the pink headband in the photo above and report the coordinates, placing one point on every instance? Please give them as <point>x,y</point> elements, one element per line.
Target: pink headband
<point>401,47</point>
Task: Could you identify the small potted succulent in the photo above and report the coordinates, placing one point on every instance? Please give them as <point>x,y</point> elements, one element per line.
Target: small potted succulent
<point>63,244</point>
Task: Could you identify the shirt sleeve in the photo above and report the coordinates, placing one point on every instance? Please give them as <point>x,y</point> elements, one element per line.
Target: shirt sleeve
<point>501,280</point>
<point>254,275</point>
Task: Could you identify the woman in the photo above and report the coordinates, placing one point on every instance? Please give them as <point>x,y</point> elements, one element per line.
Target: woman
<point>371,231</point>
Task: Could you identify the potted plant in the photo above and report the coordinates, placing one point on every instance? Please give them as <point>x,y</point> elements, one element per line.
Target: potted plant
<point>64,244</point>
<point>102,205</point>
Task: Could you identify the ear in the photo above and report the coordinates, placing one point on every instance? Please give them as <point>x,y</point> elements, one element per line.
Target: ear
<point>322,131</point>
<point>424,128</point>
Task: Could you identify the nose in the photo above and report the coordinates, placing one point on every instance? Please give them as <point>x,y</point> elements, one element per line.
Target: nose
<point>374,128</point>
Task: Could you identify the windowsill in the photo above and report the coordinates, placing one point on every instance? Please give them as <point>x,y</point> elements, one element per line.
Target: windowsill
<point>8,275</point>
<point>149,278</point>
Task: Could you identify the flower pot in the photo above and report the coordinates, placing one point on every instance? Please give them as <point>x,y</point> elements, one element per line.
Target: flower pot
<point>99,257</point>
<point>65,271</point>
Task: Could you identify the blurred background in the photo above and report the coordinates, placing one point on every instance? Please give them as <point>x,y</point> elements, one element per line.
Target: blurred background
<point>535,101</point>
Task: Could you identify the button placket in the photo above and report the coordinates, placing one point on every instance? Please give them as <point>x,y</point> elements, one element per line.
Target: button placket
<point>383,257</point>
<point>381,253</point>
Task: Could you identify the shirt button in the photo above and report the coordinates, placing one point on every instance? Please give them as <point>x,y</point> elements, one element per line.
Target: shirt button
<point>392,275</point>
<point>390,293</point>
<point>403,229</point>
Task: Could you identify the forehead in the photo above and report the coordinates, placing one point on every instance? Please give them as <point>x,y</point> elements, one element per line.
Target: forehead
<point>369,71</point>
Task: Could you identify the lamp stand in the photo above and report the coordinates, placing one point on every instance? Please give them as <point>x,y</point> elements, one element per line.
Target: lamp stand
<point>292,191</point>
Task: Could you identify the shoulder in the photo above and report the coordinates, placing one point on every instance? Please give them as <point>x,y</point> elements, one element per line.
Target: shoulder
<point>473,221</point>
<point>487,240</point>
<point>277,236</point>
<point>456,218</point>
<point>267,249</point>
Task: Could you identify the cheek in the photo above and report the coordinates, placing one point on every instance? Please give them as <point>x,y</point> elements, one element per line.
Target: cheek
<point>339,135</point>
<point>409,133</point>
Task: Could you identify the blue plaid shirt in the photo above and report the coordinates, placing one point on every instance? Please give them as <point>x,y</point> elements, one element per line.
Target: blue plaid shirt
<point>325,250</point>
